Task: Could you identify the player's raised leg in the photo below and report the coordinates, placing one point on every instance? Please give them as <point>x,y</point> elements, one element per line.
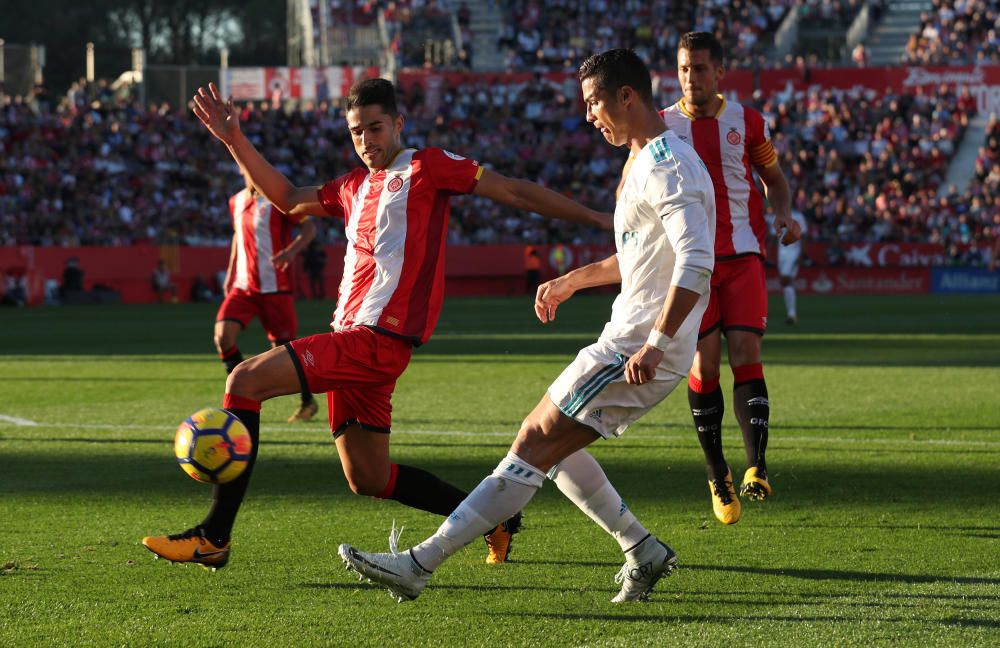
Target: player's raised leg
<point>752,408</point>
<point>253,381</point>
<point>707,408</point>
<point>546,438</point>
<point>364,454</point>
<point>498,497</point>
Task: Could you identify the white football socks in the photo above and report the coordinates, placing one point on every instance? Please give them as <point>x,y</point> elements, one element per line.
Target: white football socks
<point>582,480</point>
<point>496,498</point>
<point>789,300</point>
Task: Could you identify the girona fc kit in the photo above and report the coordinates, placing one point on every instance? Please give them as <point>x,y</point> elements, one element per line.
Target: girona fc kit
<point>730,143</point>
<point>258,288</point>
<point>396,223</point>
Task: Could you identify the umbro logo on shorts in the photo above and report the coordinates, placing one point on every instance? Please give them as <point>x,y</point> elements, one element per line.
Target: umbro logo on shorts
<point>308,358</point>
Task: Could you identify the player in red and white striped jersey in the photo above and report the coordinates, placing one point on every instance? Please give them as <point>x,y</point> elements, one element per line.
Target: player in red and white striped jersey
<point>259,279</point>
<point>734,142</point>
<point>396,220</point>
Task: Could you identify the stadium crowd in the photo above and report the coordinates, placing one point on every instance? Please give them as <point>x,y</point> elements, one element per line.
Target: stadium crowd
<point>957,32</point>
<point>870,168</point>
<point>557,34</point>
<point>97,169</point>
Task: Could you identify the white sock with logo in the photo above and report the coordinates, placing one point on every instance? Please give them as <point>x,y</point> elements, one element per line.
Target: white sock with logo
<point>511,486</point>
<point>789,300</point>
<point>582,480</point>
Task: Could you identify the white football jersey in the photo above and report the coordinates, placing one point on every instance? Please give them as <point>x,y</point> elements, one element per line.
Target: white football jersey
<point>664,235</point>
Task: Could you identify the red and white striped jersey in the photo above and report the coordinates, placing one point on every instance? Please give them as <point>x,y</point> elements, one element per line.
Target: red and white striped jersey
<point>260,231</point>
<point>730,143</point>
<point>396,222</point>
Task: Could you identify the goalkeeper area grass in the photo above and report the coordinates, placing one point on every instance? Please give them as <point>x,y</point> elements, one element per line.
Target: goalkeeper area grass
<point>883,528</point>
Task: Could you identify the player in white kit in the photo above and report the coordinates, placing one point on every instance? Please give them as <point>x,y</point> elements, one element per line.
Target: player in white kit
<point>664,237</point>
<point>789,257</point>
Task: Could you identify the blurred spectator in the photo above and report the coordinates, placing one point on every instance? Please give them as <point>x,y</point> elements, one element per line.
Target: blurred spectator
<point>314,262</point>
<point>162,283</point>
<point>201,292</point>
<point>859,56</point>
<point>532,269</point>
<point>15,283</point>
<point>72,279</point>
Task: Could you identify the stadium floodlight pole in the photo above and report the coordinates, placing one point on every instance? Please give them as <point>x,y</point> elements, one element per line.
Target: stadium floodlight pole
<point>324,35</point>
<point>90,62</point>
<point>224,57</point>
<point>139,72</point>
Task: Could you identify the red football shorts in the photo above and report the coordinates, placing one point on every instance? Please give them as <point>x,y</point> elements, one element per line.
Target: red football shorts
<point>739,297</point>
<point>357,368</point>
<point>275,310</point>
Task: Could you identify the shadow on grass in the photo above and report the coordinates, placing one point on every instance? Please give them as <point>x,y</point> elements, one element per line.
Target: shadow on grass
<point>973,623</point>
<point>498,326</point>
<point>658,614</point>
<point>806,574</point>
<point>842,575</point>
<point>120,468</point>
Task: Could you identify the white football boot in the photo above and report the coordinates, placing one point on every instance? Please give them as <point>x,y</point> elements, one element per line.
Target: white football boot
<point>644,565</point>
<point>404,577</point>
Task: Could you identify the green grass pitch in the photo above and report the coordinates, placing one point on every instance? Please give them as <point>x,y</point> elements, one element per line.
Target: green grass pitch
<point>883,530</point>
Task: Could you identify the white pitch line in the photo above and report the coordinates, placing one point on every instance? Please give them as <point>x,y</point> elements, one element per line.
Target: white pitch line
<point>13,420</point>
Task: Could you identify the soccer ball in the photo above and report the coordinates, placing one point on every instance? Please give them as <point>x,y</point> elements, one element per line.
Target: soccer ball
<point>213,446</point>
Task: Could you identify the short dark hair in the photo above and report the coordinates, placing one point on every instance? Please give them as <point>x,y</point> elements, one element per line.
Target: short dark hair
<point>617,68</point>
<point>373,92</point>
<point>693,41</point>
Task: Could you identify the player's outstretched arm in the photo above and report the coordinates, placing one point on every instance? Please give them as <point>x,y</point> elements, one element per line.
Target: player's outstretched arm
<point>552,293</point>
<point>223,121</point>
<point>528,196</point>
<point>779,194</point>
<point>307,232</point>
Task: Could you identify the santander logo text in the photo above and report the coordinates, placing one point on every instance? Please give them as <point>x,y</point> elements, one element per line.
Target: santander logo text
<point>918,76</point>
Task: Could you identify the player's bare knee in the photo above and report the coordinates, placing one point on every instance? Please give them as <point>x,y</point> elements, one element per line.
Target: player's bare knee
<point>223,342</point>
<point>243,381</point>
<point>744,350</point>
<point>365,482</point>
<point>706,371</point>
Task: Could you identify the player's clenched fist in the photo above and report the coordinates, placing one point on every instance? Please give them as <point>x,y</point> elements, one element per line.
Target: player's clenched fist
<point>641,368</point>
<point>548,297</point>
<point>787,229</point>
<point>218,116</point>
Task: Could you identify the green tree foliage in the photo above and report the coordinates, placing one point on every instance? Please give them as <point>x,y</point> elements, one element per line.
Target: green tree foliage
<point>179,32</point>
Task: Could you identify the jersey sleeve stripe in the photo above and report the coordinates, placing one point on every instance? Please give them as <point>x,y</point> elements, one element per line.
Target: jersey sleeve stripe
<point>764,155</point>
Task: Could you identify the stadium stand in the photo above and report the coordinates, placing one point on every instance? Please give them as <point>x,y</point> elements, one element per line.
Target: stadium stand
<point>869,169</point>
<point>557,34</point>
<point>957,32</point>
<point>98,170</point>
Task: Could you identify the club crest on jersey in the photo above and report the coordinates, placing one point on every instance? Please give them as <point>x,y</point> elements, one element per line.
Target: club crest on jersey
<point>395,184</point>
<point>733,137</point>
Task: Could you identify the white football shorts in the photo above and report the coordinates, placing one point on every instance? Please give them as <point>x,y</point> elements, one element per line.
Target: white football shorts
<point>593,391</point>
<point>788,263</point>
